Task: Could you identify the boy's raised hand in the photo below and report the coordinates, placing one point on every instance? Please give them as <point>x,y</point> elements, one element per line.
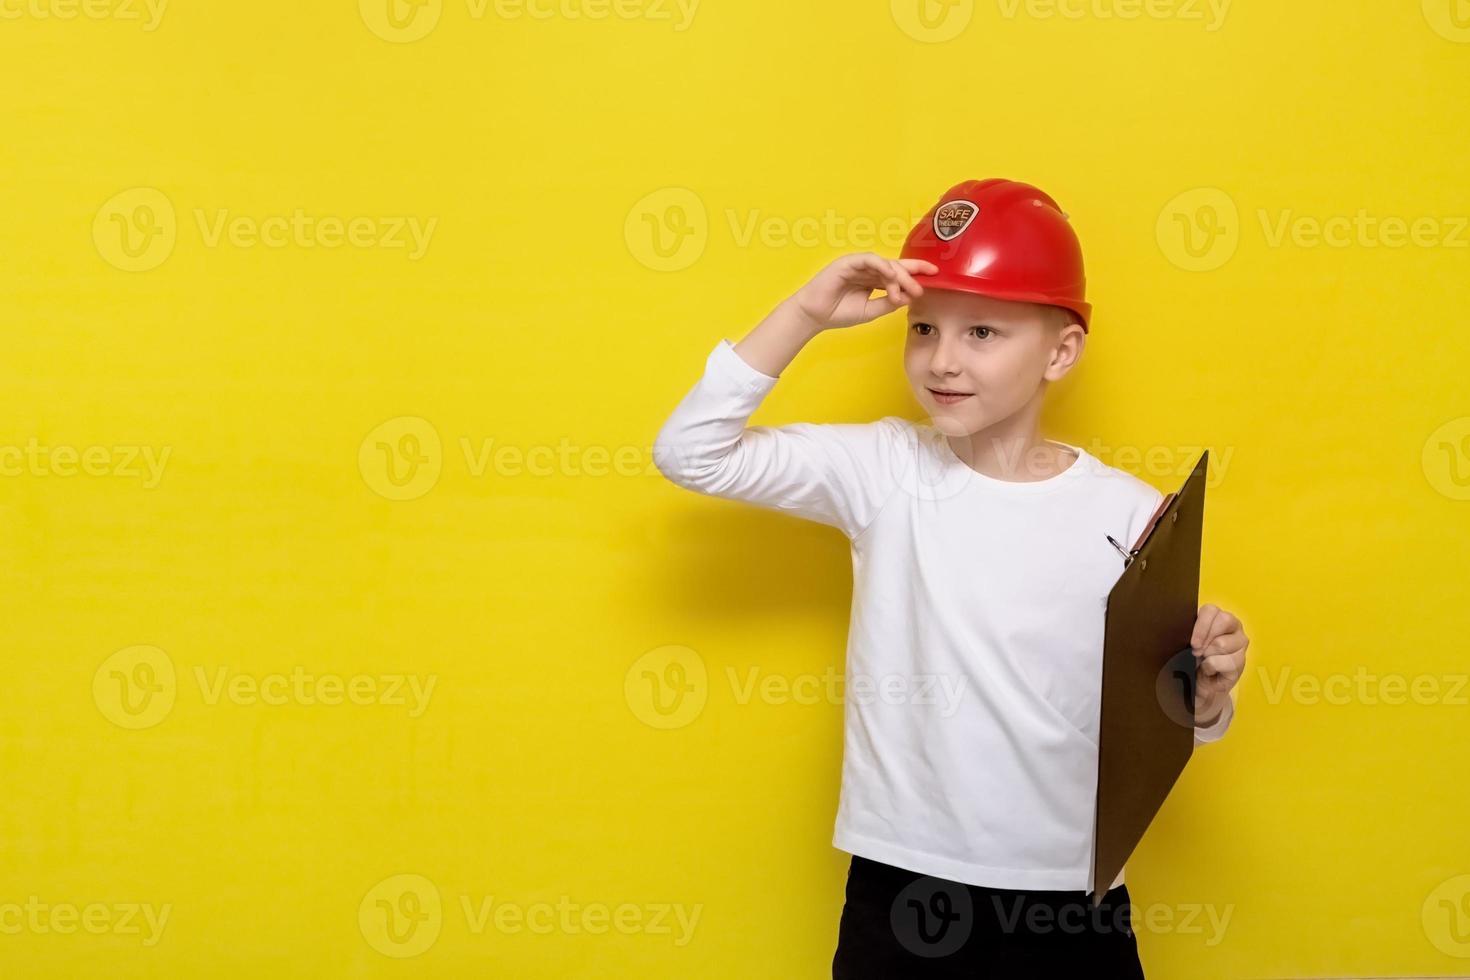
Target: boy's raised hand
<point>838,295</point>
<point>1219,644</point>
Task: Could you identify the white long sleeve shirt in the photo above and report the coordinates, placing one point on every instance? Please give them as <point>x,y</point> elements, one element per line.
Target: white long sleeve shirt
<point>974,654</point>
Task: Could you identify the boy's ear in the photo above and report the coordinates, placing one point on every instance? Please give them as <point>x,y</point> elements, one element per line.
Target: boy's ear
<point>1071,340</point>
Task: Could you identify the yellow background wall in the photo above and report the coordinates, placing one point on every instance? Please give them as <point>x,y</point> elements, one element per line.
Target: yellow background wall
<point>378,457</point>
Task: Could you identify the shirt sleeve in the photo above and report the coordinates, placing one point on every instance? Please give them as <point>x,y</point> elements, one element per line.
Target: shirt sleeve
<point>834,474</point>
<point>1142,515</point>
<point>1216,731</point>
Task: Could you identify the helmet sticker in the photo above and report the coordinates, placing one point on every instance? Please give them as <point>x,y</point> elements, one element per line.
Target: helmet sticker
<point>953,217</point>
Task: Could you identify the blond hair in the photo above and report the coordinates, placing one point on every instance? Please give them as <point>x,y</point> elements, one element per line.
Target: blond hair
<point>1057,317</point>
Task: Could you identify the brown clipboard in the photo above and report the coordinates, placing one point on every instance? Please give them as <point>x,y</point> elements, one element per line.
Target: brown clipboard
<point>1146,727</point>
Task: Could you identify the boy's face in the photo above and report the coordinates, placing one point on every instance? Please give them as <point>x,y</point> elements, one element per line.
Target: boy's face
<point>996,353</point>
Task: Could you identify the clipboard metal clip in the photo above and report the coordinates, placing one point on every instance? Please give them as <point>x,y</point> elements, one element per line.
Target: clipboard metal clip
<point>1128,556</point>
<point>1148,530</point>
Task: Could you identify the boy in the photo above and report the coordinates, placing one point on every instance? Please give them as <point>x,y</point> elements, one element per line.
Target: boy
<point>981,558</point>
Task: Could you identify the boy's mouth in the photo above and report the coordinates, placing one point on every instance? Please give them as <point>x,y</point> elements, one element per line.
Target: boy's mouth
<point>946,397</point>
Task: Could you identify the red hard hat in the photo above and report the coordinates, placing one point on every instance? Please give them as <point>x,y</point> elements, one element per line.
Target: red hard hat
<point>1004,239</point>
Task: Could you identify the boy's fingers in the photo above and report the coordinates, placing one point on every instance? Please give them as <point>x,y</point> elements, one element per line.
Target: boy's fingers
<point>870,267</point>
<point>910,284</point>
<point>893,274</point>
<point>1219,643</point>
<point>897,282</point>
<point>921,266</point>
<point>1219,646</point>
<point>871,270</point>
<point>881,305</point>
<point>890,275</point>
<point>1217,664</point>
<point>1204,625</point>
<point>860,269</point>
<point>1228,623</point>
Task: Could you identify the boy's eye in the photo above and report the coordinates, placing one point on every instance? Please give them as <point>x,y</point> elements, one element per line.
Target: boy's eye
<point>922,329</point>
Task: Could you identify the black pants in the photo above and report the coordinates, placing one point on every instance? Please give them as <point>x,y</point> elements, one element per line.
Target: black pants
<point>900,924</point>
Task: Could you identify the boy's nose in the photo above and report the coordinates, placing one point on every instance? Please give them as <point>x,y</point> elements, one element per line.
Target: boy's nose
<point>944,362</point>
